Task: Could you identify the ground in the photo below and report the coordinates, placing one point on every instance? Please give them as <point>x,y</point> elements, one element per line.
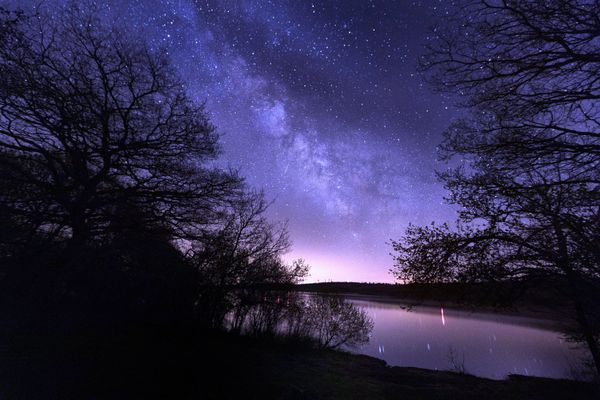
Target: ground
<point>181,362</point>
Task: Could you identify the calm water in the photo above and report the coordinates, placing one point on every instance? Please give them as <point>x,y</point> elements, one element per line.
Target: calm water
<point>490,345</point>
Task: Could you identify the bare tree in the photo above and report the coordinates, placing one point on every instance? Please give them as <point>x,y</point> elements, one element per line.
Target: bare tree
<point>245,248</point>
<point>91,118</point>
<point>242,252</point>
<point>528,150</point>
<point>335,322</point>
<point>527,71</point>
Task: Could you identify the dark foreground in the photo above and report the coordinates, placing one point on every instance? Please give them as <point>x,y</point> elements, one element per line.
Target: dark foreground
<point>143,362</point>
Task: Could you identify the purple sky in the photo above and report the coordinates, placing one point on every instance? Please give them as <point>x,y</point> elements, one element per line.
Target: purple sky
<point>320,104</point>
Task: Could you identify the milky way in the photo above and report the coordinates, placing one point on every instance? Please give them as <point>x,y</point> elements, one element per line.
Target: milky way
<point>320,104</point>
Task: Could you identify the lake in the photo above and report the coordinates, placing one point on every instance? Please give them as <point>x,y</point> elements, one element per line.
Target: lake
<point>484,344</point>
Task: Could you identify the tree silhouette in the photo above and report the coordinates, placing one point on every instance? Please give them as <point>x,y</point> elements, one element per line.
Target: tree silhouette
<point>244,251</point>
<point>335,322</point>
<point>246,247</point>
<point>527,150</point>
<point>90,120</point>
<point>527,71</point>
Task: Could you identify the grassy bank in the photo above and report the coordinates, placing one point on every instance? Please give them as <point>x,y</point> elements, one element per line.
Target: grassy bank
<point>181,362</point>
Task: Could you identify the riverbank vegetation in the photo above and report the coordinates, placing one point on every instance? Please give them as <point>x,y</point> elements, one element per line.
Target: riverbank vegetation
<point>522,158</point>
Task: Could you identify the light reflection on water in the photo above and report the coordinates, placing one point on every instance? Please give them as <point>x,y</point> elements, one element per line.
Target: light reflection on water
<point>486,344</point>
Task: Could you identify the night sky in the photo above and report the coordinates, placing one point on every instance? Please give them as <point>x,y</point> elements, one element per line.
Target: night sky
<point>320,104</point>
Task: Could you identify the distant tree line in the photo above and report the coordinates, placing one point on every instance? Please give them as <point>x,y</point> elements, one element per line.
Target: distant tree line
<point>524,158</point>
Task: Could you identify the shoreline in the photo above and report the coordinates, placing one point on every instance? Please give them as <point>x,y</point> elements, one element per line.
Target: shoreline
<point>517,317</point>
<point>311,373</point>
<point>552,312</point>
<point>181,362</point>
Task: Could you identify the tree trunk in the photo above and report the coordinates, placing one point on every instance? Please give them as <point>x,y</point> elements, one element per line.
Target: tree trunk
<point>573,281</point>
<point>79,236</point>
<point>588,333</point>
<point>582,318</point>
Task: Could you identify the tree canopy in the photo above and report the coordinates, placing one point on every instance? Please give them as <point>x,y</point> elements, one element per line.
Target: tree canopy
<point>524,159</point>
<point>108,160</point>
<point>90,120</point>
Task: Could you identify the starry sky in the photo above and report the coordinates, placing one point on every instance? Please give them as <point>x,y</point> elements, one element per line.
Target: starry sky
<point>320,104</point>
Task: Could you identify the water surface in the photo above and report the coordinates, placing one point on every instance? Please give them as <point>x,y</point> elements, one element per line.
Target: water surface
<point>484,344</point>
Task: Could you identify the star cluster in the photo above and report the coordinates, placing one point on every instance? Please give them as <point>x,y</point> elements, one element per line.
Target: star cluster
<point>319,103</point>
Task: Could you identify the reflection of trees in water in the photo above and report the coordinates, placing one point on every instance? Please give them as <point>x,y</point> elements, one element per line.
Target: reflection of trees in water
<point>583,369</point>
<point>338,322</point>
<point>456,360</point>
<point>330,321</point>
